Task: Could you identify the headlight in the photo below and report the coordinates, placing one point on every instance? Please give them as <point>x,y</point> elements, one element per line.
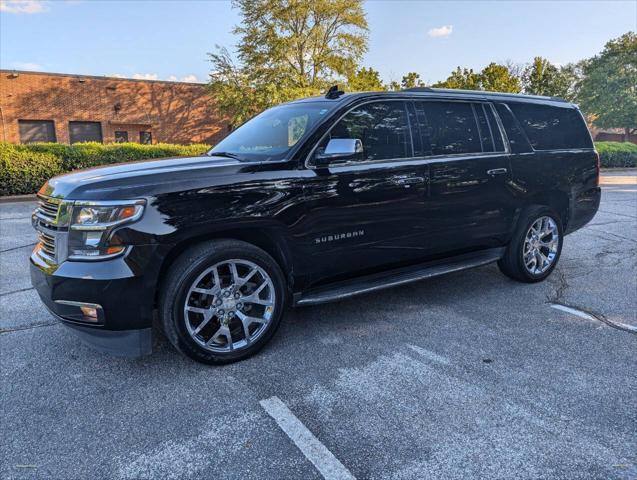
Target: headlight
<point>92,224</point>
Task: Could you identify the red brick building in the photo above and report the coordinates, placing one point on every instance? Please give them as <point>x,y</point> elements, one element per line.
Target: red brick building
<point>71,108</point>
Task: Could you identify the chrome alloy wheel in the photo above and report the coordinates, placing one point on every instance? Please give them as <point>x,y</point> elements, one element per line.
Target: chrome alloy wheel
<point>541,245</point>
<point>229,306</point>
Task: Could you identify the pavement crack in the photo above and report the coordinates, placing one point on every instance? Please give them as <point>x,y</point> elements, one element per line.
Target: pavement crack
<point>15,291</point>
<point>557,299</point>
<point>599,317</point>
<point>27,327</point>
<point>17,248</point>
<point>560,289</point>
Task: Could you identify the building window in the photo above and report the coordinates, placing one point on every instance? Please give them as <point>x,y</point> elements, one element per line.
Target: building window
<point>146,138</point>
<point>121,136</point>
<point>85,132</point>
<point>36,131</point>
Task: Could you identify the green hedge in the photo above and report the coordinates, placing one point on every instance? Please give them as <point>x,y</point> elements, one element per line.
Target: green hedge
<point>617,154</point>
<point>25,172</point>
<point>24,168</point>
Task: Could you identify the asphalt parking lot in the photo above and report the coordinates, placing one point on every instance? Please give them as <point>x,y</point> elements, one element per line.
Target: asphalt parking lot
<point>464,376</point>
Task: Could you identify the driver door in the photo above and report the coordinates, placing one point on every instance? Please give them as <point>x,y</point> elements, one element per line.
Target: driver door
<point>366,211</point>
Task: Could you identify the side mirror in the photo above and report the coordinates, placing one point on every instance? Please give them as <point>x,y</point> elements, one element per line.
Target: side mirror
<point>339,149</point>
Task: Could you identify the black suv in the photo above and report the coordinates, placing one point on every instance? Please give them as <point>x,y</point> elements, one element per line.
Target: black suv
<point>312,201</point>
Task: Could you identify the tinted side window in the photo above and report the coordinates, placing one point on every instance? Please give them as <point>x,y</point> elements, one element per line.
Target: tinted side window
<point>450,127</point>
<point>381,126</point>
<point>517,140</point>
<point>550,127</point>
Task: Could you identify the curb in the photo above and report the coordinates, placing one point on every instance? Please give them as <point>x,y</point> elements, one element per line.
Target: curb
<point>18,198</point>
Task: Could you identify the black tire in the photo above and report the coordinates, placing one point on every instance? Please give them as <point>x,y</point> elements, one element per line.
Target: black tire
<point>512,263</point>
<point>181,276</point>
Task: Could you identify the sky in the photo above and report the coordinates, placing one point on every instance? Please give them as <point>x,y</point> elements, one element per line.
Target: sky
<point>169,39</point>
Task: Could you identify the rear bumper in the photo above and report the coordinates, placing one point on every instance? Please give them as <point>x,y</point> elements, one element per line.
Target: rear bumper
<point>583,208</point>
<point>123,288</point>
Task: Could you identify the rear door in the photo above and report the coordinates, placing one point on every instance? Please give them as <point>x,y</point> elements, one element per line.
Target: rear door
<point>366,212</point>
<point>470,202</point>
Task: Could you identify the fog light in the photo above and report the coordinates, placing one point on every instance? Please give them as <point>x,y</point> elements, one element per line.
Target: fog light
<point>80,311</point>
<point>90,313</point>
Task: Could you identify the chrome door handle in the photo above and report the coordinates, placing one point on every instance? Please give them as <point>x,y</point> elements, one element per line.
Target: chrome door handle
<point>496,171</point>
<point>406,180</point>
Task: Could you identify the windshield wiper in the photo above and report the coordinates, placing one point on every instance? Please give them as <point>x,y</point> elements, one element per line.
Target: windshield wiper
<point>225,154</point>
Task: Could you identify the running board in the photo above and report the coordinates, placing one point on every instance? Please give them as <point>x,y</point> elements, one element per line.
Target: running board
<point>393,278</point>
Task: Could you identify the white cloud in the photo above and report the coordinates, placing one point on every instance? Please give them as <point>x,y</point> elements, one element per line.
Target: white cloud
<point>189,78</point>
<point>443,31</point>
<point>27,66</point>
<point>172,78</point>
<point>23,6</point>
<point>146,76</point>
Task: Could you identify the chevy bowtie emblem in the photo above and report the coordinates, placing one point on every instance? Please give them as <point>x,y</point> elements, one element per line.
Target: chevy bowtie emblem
<point>339,236</point>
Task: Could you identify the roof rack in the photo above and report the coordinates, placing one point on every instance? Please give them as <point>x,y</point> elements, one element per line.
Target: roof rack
<point>482,92</point>
<point>418,89</point>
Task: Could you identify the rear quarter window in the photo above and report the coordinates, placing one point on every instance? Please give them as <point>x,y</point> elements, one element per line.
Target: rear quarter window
<point>552,128</point>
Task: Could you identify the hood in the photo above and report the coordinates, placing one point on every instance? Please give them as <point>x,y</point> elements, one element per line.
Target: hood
<point>148,177</point>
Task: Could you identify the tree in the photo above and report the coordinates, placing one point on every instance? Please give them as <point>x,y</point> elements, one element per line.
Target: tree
<point>411,80</point>
<point>287,49</point>
<point>494,77</point>
<point>544,78</point>
<point>394,86</point>
<point>608,90</point>
<point>573,74</point>
<point>463,79</point>
<point>365,80</point>
<point>498,78</point>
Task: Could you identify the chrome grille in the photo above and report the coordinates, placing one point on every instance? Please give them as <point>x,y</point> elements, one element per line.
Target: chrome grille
<point>47,209</point>
<point>47,243</point>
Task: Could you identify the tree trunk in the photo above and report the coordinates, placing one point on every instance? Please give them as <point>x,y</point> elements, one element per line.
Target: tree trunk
<point>627,134</point>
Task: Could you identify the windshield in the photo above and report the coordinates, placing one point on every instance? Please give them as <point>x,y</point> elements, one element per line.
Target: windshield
<point>271,134</point>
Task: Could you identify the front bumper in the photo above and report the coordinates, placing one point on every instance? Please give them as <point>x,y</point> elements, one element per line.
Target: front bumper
<point>124,287</point>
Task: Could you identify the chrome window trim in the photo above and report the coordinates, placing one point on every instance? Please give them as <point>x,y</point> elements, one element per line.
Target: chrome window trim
<point>454,156</point>
<point>421,160</point>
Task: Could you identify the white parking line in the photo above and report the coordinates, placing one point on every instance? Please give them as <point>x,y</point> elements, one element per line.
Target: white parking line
<point>430,355</point>
<point>587,316</point>
<point>317,453</point>
<point>573,311</point>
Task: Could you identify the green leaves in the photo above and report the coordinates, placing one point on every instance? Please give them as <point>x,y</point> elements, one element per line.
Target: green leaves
<point>288,49</point>
<point>494,78</point>
<point>365,80</point>
<point>617,154</point>
<point>609,88</point>
<point>24,168</point>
